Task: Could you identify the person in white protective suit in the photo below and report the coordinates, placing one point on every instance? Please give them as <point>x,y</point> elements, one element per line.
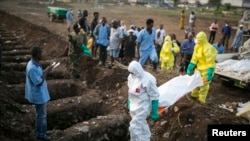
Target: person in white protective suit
<point>143,97</point>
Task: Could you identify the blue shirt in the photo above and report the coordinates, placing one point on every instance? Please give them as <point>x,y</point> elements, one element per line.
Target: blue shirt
<point>69,16</point>
<point>102,33</point>
<point>146,40</point>
<point>226,30</point>
<point>187,46</point>
<point>220,48</point>
<point>36,90</point>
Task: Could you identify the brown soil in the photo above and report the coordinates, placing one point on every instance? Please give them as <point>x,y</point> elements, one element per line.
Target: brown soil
<point>94,109</point>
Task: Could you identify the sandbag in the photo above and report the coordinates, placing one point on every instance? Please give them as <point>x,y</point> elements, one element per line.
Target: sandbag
<point>174,89</point>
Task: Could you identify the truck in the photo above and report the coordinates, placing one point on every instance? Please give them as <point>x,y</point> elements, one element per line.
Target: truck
<point>56,13</point>
<point>234,68</point>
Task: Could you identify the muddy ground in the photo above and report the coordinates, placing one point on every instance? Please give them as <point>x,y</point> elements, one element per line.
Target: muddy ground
<point>94,109</point>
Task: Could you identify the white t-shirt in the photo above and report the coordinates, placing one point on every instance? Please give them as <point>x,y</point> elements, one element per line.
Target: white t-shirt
<point>158,41</point>
<point>115,35</point>
<point>191,18</point>
<point>163,33</point>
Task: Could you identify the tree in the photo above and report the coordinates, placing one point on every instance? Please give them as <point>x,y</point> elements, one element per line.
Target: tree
<point>216,3</point>
<point>175,3</point>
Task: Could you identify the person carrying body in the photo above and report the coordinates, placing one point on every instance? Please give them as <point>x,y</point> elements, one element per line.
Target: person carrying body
<point>143,97</point>
<point>203,60</point>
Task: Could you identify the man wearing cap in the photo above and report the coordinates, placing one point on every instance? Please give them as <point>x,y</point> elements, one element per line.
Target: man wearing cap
<point>237,39</point>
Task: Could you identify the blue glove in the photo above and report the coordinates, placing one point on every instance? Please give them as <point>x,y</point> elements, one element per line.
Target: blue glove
<point>154,110</point>
<point>190,68</point>
<point>210,73</point>
<point>128,104</point>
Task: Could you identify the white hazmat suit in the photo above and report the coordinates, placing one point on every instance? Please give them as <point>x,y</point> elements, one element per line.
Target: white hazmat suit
<point>143,97</point>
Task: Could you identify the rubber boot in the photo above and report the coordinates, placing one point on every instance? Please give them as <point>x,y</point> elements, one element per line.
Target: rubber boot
<point>203,92</point>
<point>195,93</point>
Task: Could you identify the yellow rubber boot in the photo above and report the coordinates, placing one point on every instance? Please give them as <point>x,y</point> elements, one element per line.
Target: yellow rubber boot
<point>203,92</point>
<point>195,93</point>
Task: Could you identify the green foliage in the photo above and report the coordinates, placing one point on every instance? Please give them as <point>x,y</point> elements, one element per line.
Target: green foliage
<point>227,6</point>
<point>214,2</point>
<point>218,10</point>
<point>175,2</point>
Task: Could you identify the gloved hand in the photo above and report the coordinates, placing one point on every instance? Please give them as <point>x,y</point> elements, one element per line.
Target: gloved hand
<point>210,73</point>
<point>128,104</point>
<point>154,109</point>
<point>190,68</point>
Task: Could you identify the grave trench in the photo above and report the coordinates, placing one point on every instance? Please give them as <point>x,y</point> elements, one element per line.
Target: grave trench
<point>71,103</point>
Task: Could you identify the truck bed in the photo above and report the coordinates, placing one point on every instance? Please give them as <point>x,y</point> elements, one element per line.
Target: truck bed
<point>240,78</point>
<point>231,75</point>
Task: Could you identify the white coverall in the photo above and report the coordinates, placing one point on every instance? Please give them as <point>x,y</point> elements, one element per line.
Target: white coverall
<point>142,90</point>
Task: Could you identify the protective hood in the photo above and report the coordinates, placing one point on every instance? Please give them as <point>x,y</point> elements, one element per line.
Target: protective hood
<point>136,69</point>
<point>168,39</point>
<point>201,38</point>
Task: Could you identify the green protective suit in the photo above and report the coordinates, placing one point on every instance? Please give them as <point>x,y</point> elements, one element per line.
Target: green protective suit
<point>203,57</point>
<point>167,53</point>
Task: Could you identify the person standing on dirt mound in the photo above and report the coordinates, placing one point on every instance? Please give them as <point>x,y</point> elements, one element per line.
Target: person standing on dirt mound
<point>83,21</point>
<point>102,33</point>
<point>76,40</point>
<point>146,44</point>
<point>92,28</point>
<point>116,37</point>
<point>203,59</point>
<point>143,97</point>
<point>36,91</point>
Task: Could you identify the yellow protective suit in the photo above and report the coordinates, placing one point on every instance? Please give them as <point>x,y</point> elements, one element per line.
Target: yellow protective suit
<point>203,57</point>
<point>167,53</point>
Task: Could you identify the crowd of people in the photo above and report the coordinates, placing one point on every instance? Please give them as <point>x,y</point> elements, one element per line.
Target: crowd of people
<point>124,45</point>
